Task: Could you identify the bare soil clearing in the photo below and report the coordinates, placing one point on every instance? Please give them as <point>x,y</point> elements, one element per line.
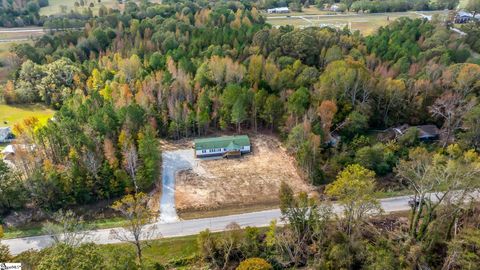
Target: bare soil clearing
<point>251,181</point>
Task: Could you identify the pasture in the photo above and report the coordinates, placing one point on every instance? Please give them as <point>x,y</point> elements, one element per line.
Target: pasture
<point>366,23</point>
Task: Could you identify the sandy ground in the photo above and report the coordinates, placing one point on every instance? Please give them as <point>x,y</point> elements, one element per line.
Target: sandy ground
<point>253,179</point>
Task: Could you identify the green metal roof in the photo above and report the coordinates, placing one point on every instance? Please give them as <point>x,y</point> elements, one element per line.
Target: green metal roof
<point>230,142</point>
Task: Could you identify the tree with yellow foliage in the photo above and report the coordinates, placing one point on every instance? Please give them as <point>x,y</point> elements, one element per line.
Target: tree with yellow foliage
<point>136,231</point>
<point>354,188</point>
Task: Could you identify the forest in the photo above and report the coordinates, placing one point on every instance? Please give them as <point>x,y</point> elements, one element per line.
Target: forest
<point>182,69</point>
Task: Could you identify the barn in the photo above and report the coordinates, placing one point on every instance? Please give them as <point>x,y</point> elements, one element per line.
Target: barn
<point>222,146</point>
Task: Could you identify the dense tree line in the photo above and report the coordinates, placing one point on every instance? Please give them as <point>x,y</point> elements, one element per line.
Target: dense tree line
<point>21,13</point>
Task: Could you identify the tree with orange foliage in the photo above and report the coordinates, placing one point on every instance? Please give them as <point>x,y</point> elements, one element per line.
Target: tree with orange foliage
<point>327,111</point>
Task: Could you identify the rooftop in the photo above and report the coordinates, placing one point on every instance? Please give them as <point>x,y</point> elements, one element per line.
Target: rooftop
<point>221,142</point>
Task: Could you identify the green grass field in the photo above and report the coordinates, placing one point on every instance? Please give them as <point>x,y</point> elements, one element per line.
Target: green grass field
<point>175,252</point>
<point>12,114</point>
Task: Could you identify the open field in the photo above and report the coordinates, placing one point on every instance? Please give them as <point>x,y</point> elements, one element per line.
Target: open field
<point>12,114</point>
<point>65,6</point>
<point>366,23</point>
<point>55,6</point>
<point>253,181</point>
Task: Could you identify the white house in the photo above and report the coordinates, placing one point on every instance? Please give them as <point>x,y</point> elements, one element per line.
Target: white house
<point>220,146</point>
<point>278,10</point>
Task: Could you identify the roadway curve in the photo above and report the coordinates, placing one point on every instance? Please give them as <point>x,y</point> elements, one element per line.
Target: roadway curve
<point>188,227</point>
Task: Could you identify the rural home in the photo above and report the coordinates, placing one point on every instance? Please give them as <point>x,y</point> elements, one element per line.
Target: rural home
<point>464,17</point>
<point>219,146</point>
<point>6,135</point>
<point>425,132</point>
<point>278,10</point>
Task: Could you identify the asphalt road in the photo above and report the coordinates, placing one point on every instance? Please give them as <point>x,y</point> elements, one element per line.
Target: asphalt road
<point>188,227</point>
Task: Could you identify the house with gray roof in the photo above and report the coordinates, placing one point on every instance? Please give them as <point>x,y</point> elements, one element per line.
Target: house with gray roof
<point>6,135</point>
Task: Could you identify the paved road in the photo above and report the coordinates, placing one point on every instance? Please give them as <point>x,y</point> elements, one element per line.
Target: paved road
<point>22,34</point>
<point>188,227</point>
<point>22,30</point>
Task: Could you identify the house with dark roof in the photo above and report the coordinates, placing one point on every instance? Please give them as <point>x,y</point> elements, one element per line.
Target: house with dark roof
<point>425,132</point>
<point>464,17</point>
<point>222,146</point>
<point>428,133</point>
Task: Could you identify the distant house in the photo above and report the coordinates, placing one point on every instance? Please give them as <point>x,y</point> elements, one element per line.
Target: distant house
<point>278,10</point>
<point>6,135</point>
<point>428,133</point>
<point>425,132</point>
<point>464,17</point>
<point>221,146</point>
<point>334,8</point>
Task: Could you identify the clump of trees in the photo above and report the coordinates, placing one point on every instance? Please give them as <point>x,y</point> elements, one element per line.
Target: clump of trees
<point>21,13</point>
<point>315,236</point>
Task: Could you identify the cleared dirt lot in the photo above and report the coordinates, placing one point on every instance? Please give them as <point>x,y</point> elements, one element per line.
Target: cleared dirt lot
<point>251,182</point>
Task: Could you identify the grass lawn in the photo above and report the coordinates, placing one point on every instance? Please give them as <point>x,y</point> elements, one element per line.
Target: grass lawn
<point>175,252</point>
<point>12,114</point>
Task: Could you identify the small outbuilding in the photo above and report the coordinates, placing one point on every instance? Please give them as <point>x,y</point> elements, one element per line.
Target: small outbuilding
<point>222,146</point>
<point>6,135</point>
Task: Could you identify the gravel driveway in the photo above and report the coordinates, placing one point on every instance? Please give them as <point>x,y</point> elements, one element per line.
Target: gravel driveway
<point>172,162</point>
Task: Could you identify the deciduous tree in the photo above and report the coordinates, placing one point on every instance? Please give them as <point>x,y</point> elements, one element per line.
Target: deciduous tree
<point>137,231</point>
<point>354,188</point>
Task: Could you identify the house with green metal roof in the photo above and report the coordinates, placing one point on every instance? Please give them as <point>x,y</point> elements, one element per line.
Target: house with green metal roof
<point>219,146</point>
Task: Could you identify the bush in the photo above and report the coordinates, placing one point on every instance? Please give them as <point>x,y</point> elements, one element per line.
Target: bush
<point>254,264</point>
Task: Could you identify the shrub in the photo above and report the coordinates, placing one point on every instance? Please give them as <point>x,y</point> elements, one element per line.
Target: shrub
<point>254,264</point>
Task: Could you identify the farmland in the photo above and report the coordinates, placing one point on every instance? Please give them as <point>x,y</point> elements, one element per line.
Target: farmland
<point>61,6</point>
<point>56,7</point>
<point>365,23</point>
